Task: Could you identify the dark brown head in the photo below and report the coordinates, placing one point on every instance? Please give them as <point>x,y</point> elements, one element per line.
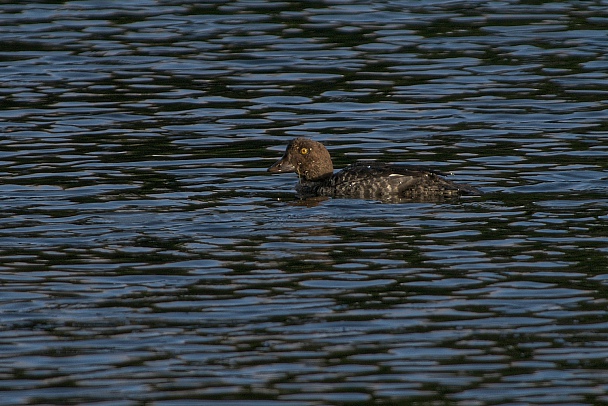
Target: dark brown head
<point>308,158</point>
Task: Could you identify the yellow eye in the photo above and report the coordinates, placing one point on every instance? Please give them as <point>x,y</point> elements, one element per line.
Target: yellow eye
<point>304,151</point>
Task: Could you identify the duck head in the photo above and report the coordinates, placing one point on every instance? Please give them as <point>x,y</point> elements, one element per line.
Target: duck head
<point>308,158</point>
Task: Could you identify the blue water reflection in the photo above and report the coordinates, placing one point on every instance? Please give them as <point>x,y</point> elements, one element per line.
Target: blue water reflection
<point>147,256</point>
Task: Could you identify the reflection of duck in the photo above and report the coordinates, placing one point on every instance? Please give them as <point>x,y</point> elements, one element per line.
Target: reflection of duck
<point>363,180</point>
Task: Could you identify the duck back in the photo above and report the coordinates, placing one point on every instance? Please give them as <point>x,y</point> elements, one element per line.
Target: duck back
<point>375,180</point>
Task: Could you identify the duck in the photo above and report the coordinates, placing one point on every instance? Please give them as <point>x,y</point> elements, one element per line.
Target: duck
<point>311,161</point>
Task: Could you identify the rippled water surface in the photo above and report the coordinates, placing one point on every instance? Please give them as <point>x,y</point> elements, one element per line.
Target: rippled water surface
<point>147,257</point>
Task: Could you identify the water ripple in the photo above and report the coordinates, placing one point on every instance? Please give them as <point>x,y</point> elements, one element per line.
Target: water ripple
<point>145,248</point>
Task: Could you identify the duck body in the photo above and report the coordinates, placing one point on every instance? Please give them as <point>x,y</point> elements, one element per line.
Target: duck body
<point>376,180</point>
<point>364,179</point>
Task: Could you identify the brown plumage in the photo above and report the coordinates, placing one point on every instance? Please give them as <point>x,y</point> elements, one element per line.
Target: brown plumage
<point>365,180</point>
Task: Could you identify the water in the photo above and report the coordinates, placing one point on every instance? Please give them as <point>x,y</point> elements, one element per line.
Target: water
<point>148,258</point>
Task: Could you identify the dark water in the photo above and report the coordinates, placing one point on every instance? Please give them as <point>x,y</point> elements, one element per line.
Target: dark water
<point>148,258</point>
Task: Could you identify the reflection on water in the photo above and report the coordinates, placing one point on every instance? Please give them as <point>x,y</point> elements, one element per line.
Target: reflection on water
<point>147,256</point>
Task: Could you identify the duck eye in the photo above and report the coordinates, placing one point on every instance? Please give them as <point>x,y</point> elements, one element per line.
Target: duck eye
<point>304,150</point>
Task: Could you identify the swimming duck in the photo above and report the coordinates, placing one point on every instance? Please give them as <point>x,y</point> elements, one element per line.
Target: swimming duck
<point>365,179</point>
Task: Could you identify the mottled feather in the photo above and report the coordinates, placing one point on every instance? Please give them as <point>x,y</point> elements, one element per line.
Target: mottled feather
<point>365,179</point>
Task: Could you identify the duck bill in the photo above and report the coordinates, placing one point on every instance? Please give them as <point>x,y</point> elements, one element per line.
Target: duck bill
<point>282,166</point>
